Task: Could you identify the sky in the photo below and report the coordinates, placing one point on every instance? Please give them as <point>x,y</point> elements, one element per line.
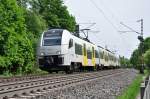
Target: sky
<point>107,15</point>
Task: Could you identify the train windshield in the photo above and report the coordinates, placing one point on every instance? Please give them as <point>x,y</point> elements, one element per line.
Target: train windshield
<point>52,41</point>
<point>53,33</point>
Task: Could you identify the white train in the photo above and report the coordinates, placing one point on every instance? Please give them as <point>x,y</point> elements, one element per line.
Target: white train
<point>61,50</point>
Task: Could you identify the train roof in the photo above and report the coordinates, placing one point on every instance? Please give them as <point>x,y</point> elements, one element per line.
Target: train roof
<point>85,39</point>
<point>101,47</point>
<point>106,49</point>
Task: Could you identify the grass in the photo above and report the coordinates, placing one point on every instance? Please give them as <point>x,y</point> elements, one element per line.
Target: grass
<point>147,71</point>
<point>133,89</point>
<point>36,71</point>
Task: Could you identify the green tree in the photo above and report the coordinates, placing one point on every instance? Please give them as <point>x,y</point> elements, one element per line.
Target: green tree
<point>35,23</point>
<point>16,48</point>
<point>23,3</point>
<point>124,62</point>
<point>136,56</point>
<point>55,13</point>
<point>146,44</point>
<point>147,58</point>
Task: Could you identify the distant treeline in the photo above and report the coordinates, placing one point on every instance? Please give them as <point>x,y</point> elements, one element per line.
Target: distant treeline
<point>136,57</point>
<point>142,50</point>
<point>21,24</point>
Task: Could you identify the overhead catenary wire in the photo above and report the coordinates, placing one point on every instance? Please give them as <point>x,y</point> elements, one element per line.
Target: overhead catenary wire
<point>90,25</point>
<point>113,25</point>
<point>110,11</point>
<point>132,30</point>
<point>102,12</point>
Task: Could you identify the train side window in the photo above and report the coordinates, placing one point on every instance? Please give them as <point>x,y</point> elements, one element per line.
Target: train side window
<point>103,56</point>
<point>93,52</point>
<point>70,43</point>
<point>96,54</point>
<point>78,49</point>
<point>89,54</point>
<point>84,50</point>
<point>100,54</point>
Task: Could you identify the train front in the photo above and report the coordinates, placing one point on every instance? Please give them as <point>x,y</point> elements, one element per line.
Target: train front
<point>49,50</point>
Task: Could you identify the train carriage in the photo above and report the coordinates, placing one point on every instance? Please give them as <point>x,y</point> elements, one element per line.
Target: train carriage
<point>60,50</point>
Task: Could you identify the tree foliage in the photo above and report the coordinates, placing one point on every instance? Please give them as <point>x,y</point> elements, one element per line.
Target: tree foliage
<point>147,58</point>
<point>125,62</point>
<point>16,52</point>
<point>35,23</point>
<point>55,13</point>
<point>136,56</point>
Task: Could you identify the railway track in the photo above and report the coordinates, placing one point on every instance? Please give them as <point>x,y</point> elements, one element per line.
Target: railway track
<point>27,77</point>
<point>31,87</point>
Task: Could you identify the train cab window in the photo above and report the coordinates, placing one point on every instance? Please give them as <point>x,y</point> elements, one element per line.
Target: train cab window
<point>53,33</point>
<point>70,43</point>
<point>52,42</point>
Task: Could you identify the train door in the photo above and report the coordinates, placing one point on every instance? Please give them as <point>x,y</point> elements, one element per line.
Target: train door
<point>71,52</point>
<point>93,56</point>
<point>85,60</point>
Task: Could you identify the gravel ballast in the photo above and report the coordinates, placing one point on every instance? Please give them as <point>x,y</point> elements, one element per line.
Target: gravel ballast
<point>103,88</point>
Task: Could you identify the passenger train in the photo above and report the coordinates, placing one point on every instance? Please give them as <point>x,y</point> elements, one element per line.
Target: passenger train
<point>59,50</point>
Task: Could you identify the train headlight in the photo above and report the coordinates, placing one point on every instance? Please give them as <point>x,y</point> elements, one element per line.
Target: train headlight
<point>58,52</point>
<point>42,53</point>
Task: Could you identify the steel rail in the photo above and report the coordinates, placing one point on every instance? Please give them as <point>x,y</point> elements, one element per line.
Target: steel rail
<point>18,89</point>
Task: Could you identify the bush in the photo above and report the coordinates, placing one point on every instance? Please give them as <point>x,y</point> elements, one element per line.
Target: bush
<point>16,54</point>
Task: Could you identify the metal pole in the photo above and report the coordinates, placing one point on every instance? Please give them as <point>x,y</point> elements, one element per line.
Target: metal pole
<point>142,27</point>
<point>142,46</point>
<point>142,90</point>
